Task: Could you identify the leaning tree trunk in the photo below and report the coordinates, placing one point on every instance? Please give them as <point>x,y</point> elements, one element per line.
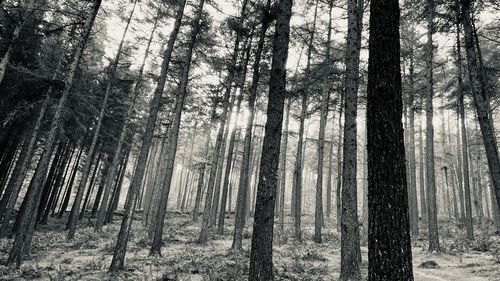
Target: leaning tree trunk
<point>389,244</point>
<point>23,235</point>
<point>429,138</point>
<point>261,256</point>
<point>479,92</point>
<point>231,151</point>
<point>205,225</point>
<point>121,243</point>
<point>73,216</point>
<point>174,133</point>
<point>349,227</point>
<point>134,92</point>
<point>242,198</point>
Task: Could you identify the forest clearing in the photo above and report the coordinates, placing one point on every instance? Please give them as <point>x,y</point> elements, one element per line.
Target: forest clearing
<point>254,140</point>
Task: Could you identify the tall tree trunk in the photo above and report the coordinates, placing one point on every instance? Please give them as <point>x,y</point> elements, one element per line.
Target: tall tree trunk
<point>282,180</point>
<point>350,248</point>
<point>297,174</point>
<point>232,152</point>
<point>134,92</point>
<point>389,244</point>
<point>205,225</point>
<point>325,98</point>
<point>423,198</point>
<point>261,256</point>
<point>480,95</point>
<point>413,202</point>
<point>121,242</point>
<point>242,198</point>
<point>24,234</point>
<point>73,217</point>
<point>338,189</point>
<point>429,136</point>
<point>174,133</point>
<point>465,152</point>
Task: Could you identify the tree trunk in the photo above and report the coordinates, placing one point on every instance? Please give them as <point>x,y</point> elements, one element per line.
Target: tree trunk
<point>389,244</point>
<point>232,152</point>
<point>350,248</point>
<point>481,100</point>
<point>219,139</point>
<point>174,133</point>
<point>429,136</point>
<point>24,234</point>
<point>318,215</point>
<point>91,186</point>
<point>243,188</point>
<point>283,161</point>
<point>69,186</point>
<point>121,243</point>
<point>413,202</point>
<point>261,256</point>
<point>338,189</point>
<point>134,92</point>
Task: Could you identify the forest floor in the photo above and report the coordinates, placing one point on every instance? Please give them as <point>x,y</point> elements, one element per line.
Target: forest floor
<point>88,256</point>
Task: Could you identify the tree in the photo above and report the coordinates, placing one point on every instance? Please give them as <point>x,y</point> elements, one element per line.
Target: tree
<point>219,151</point>
<point>121,242</point>
<point>350,248</point>
<point>318,215</point>
<point>481,101</point>
<point>429,138</point>
<point>261,256</point>
<point>25,221</point>
<point>389,242</point>
<point>245,173</point>
<point>73,216</point>
<point>174,131</point>
<point>103,206</point>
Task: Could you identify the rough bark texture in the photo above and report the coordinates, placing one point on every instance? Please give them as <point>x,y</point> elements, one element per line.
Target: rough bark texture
<point>261,256</point>
<point>350,248</point>
<point>389,244</point>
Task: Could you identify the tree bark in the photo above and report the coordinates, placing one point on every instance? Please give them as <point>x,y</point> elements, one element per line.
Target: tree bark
<point>261,259</point>
<point>389,244</point>
<point>349,226</point>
